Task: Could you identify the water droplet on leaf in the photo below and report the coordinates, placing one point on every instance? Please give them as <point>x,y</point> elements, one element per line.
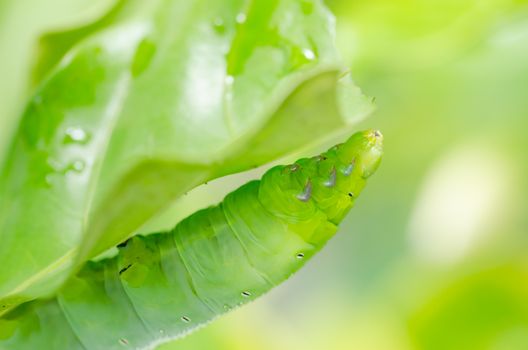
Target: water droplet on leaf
<point>218,25</point>
<point>241,18</point>
<point>308,54</point>
<point>75,135</point>
<point>78,166</point>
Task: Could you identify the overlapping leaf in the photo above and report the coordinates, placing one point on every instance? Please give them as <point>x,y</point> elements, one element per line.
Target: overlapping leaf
<point>156,99</point>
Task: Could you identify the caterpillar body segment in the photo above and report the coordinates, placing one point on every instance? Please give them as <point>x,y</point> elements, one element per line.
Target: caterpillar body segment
<point>165,285</point>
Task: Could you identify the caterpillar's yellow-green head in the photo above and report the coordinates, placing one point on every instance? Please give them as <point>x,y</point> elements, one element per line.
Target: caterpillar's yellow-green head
<point>363,150</point>
<point>322,187</point>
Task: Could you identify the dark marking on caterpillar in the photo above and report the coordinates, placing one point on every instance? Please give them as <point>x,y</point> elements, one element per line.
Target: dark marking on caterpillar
<point>123,341</point>
<point>351,195</point>
<point>299,255</point>
<point>185,319</point>
<point>125,268</point>
<point>123,244</point>
<point>246,294</point>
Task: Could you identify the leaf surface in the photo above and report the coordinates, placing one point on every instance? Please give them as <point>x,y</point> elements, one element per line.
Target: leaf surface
<point>152,102</point>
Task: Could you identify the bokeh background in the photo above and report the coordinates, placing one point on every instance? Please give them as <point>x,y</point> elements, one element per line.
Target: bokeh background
<point>434,256</point>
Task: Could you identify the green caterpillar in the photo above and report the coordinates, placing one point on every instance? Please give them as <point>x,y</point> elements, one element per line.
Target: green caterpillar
<point>164,285</point>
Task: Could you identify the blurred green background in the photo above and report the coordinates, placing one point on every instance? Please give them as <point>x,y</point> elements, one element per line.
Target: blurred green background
<point>434,255</point>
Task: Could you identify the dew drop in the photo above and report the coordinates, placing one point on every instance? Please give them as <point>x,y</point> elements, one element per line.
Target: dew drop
<point>185,319</point>
<point>309,54</point>
<point>300,256</point>
<point>78,166</point>
<point>75,135</point>
<point>246,294</point>
<point>218,25</point>
<point>241,18</point>
<point>306,193</point>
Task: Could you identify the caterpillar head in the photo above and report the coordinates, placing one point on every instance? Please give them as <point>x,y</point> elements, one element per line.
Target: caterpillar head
<point>325,186</point>
<point>362,151</point>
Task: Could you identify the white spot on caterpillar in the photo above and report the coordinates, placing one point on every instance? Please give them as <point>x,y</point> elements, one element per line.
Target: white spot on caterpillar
<point>331,179</point>
<point>348,170</point>
<point>307,192</point>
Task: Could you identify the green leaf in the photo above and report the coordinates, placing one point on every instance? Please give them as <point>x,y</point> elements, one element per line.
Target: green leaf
<point>154,101</point>
<point>164,285</point>
<point>21,25</point>
<point>53,45</point>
